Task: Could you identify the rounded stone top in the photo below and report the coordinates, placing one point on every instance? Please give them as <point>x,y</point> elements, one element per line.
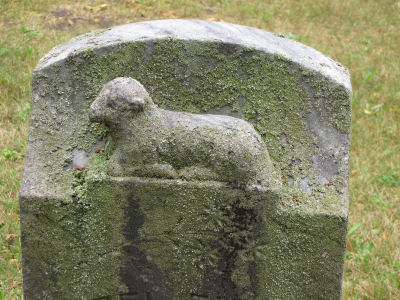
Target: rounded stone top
<point>198,30</point>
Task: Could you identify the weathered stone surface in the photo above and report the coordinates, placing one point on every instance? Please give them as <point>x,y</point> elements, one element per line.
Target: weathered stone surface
<point>87,232</point>
<point>153,142</point>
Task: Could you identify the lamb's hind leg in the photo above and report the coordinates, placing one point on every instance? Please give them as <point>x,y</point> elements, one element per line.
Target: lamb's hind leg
<point>198,173</point>
<point>119,166</point>
<point>161,170</point>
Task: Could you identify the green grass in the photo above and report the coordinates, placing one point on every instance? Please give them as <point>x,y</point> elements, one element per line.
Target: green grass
<point>361,34</point>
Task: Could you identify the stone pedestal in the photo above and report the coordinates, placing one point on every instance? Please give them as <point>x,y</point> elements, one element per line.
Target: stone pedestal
<point>185,240</point>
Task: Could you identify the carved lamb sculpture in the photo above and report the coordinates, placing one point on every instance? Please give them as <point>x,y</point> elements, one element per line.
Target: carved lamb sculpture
<point>153,142</point>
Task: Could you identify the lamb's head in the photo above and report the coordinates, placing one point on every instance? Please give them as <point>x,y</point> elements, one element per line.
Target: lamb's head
<point>119,96</point>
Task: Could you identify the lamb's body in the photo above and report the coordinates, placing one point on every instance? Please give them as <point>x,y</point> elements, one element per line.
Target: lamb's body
<point>154,142</point>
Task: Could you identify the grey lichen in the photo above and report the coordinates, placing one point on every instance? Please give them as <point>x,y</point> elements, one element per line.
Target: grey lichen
<point>201,76</point>
<point>271,92</point>
<point>152,142</point>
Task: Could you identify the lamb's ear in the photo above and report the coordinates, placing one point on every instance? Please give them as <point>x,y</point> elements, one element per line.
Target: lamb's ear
<point>138,96</point>
<point>136,102</point>
<point>132,92</point>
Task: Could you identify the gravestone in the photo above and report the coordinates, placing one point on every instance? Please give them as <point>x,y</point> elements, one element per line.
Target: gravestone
<point>183,159</point>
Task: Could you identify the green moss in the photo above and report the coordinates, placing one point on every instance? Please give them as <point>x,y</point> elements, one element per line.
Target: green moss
<point>200,76</point>
<point>197,77</point>
<point>76,242</point>
<point>188,230</point>
<point>282,57</point>
<point>334,102</point>
<point>79,185</point>
<point>272,93</point>
<point>100,131</point>
<point>304,256</point>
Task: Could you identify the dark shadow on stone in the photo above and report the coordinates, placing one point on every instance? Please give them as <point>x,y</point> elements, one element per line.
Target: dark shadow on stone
<point>145,280</point>
<point>218,283</point>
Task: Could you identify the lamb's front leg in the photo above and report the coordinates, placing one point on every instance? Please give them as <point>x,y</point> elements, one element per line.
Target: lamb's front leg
<point>158,170</point>
<point>117,164</point>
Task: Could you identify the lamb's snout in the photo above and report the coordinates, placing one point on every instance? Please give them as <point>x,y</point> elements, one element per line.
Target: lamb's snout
<point>94,112</point>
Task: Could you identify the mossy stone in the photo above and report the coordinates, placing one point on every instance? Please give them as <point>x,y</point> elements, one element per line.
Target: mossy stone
<point>77,236</point>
